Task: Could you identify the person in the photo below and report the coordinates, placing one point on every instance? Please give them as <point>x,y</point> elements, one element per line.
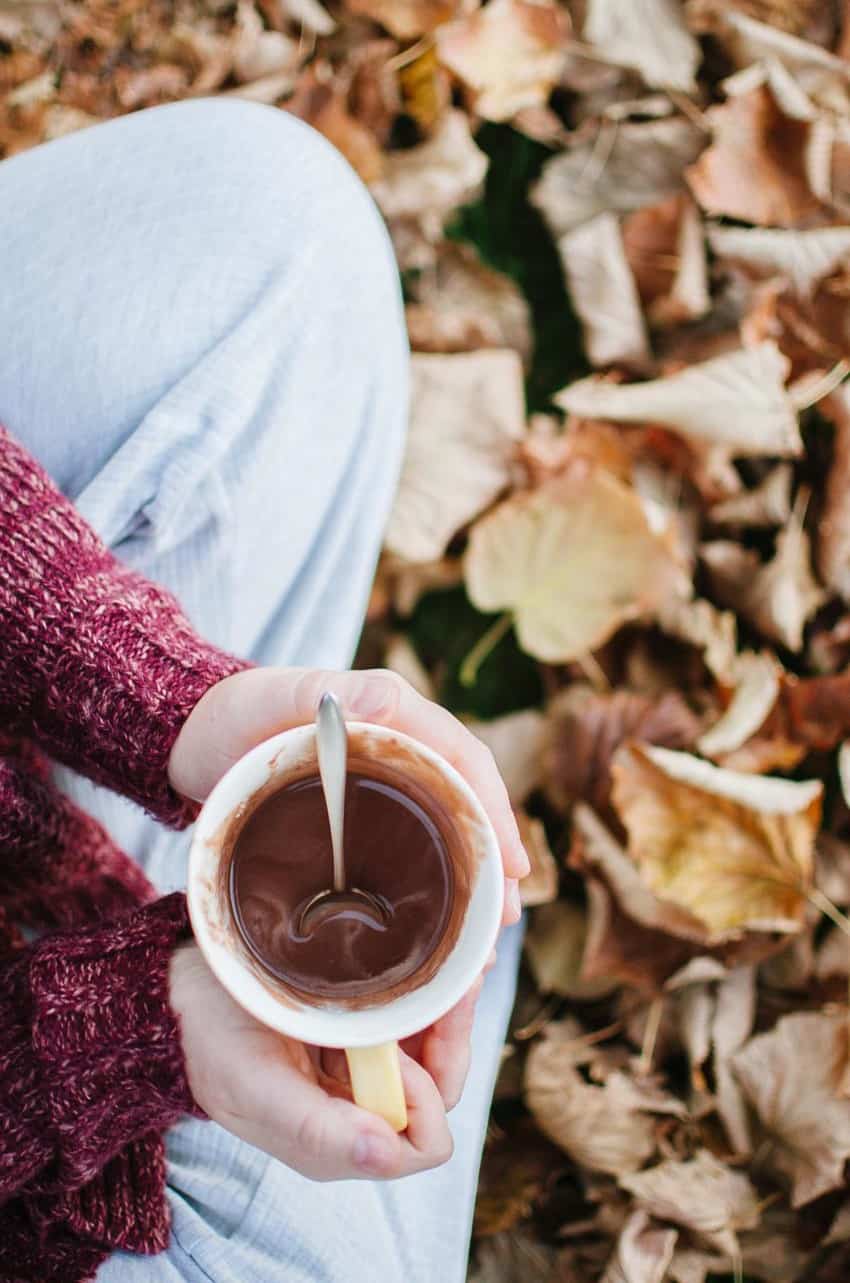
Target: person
<point>203,382</point>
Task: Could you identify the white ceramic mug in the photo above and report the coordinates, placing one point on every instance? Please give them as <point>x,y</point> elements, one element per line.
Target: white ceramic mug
<point>369,1033</point>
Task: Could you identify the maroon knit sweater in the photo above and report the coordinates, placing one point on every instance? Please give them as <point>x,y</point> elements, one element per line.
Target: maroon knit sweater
<point>98,669</point>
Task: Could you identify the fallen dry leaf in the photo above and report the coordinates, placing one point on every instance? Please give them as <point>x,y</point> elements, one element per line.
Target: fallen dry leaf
<point>516,742</point>
<point>429,181</point>
<point>767,504</point>
<point>737,401</point>
<point>405,19</point>
<point>509,54</point>
<point>467,413</point>
<point>735,850</point>
<point>754,168</point>
<point>323,104</point>
<point>756,691</point>
<point>554,946</point>
<point>585,729</point>
<point>540,556</point>
<point>833,545</point>
<point>540,886</point>
<point>600,1127</point>
<point>643,1252</point>
<point>803,257</point>
<point>459,305</point>
<point>649,36</point>
<point>779,596</point>
<point>820,74</point>
<point>401,658</point>
<point>699,623</point>
<point>665,248</point>
<point>620,167</point>
<point>702,1195</point>
<point>603,293</point>
<point>793,1078</point>
<point>734,1016</point>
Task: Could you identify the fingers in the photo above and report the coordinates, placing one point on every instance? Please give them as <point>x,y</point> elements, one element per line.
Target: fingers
<point>445,1050</point>
<point>428,1141</point>
<point>512,911</point>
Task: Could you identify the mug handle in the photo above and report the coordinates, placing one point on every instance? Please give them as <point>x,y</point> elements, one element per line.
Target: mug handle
<point>376,1082</point>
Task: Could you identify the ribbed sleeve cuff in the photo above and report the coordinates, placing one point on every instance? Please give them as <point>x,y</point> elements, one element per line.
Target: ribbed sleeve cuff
<point>105,1037</point>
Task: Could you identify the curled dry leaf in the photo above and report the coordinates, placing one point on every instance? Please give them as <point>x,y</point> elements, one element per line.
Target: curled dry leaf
<point>803,257</point>
<point>572,561</point>
<point>755,693</point>
<point>603,293</point>
<point>427,182</point>
<point>665,248</point>
<point>701,1195</point>
<point>754,169</point>
<point>737,401</point>
<point>793,1077</point>
<point>779,596</point>
<point>467,414</point>
<point>585,729</point>
<point>712,631</point>
<point>540,886</point>
<point>600,1127</point>
<point>820,74</point>
<point>323,103</point>
<point>405,19</point>
<point>833,546</point>
<point>460,305</point>
<point>643,1252</point>
<point>767,504</point>
<point>734,850</point>
<point>620,167</point>
<point>554,946</point>
<point>258,52</point>
<point>516,742</point>
<point>650,36</point>
<point>509,54</point>
<point>734,1015</point>
<point>311,15</point>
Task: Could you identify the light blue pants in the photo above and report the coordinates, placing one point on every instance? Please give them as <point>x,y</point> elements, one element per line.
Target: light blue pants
<point>202,341</point>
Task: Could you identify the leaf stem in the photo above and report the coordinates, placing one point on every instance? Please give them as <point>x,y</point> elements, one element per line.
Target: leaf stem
<point>486,643</point>
<point>829,910</point>
<point>650,1036</point>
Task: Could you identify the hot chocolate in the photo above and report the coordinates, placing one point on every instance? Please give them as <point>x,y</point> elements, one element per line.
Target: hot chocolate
<point>399,846</point>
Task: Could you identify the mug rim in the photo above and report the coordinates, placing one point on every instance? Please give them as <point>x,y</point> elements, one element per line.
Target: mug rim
<point>327,1025</point>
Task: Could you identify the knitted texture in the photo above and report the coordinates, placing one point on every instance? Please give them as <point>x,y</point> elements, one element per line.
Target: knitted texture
<point>96,663</point>
<point>98,668</point>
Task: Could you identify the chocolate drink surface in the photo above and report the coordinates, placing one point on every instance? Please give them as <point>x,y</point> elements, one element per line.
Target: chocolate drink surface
<point>398,846</point>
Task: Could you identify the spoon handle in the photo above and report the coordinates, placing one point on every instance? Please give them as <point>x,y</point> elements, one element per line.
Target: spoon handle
<point>332,745</point>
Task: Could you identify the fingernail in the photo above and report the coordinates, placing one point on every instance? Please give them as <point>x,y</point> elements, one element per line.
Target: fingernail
<point>372,1153</point>
<point>375,697</point>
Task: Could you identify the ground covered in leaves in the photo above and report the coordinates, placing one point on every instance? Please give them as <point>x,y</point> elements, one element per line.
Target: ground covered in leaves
<point>621,549</point>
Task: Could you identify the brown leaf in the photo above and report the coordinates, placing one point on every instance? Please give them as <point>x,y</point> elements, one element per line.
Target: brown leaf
<point>257,52</point>
<point>754,168</point>
<point>572,561</point>
<point>649,36</point>
<point>620,167</point>
<point>712,631</point>
<point>585,729</point>
<point>767,504</point>
<point>643,1252</point>
<point>665,248</point>
<point>461,305</point>
<point>516,741</point>
<point>833,548</point>
<point>514,1171</point>
<point>779,596</point>
<point>603,292</point>
<point>509,54</point>
<point>737,400</point>
<point>323,104</point>
<point>793,1077</point>
<point>405,19</point>
<point>540,886</point>
<point>803,257</point>
<point>734,1016</point>
<point>734,850</point>
<point>602,1128</point>
<point>702,1195</point>
<point>427,182</point>
<point>467,413</point>
<point>756,692</point>
<point>554,946</point>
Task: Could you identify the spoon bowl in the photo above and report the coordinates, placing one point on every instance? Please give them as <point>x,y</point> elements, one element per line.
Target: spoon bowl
<point>351,904</point>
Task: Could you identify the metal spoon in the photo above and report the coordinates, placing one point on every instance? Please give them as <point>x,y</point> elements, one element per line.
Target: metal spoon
<point>332,748</point>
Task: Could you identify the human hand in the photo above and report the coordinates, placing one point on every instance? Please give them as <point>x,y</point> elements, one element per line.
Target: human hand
<point>241,711</point>
<point>293,1101</point>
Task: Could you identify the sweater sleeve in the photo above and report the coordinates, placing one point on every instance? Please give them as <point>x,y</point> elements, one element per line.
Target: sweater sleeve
<point>90,1053</point>
<point>97,664</point>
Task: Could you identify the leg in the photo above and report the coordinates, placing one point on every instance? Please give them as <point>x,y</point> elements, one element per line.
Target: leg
<point>231,422</point>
